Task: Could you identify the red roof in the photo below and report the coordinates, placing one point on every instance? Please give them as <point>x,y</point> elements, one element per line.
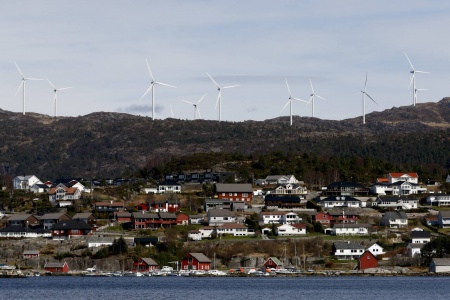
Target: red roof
<point>414,175</point>
<point>299,225</point>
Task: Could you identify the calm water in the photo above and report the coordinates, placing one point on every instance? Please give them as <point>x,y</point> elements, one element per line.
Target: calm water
<point>226,288</point>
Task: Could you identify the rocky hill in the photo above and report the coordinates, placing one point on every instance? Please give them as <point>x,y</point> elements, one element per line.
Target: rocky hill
<point>107,144</point>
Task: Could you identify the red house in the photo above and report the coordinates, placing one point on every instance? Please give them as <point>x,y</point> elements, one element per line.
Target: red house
<point>367,260</point>
<point>170,206</point>
<point>324,218</point>
<point>56,267</point>
<point>122,216</point>
<point>144,264</point>
<point>142,206</point>
<point>27,254</point>
<point>182,219</point>
<point>195,261</point>
<point>235,191</point>
<point>64,230</point>
<point>273,263</point>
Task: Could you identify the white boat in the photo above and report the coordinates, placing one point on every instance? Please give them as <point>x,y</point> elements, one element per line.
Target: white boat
<point>216,273</point>
<point>133,274</point>
<point>183,273</point>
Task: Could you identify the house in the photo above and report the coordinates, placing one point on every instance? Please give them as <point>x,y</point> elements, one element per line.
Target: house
<point>48,220</point>
<point>414,249</point>
<point>340,201</point>
<point>278,217</point>
<point>216,204</point>
<point>367,261</point>
<point>431,220</point>
<point>408,177</point>
<point>394,219</point>
<point>290,189</point>
<point>62,193</point>
<point>18,231</point>
<point>28,254</point>
<point>122,217</point>
<point>440,265</point>
<point>323,218</point>
<point>39,188</point>
<point>70,183</point>
<point>109,206</point>
<point>195,261</point>
<point>145,264</point>
<point>281,179</point>
<point>273,263</point>
<point>167,219</point>
<point>88,217</point>
<point>396,202</point>
<point>444,219</point>
<point>420,237</point>
<point>376,249</point>
<point>196,219</point>
<point>206,231</point>
<point>290,202</point>
<point>67,229</point>
<point>234,229</point>
<point>25,182</point>
<point>168,186</point>
<point>347,250</point>
<point>143,220</point>
<point>344,216</point>
<point>25,220</point>
<point>56,267</point>
<point>438,200</point>
<point>95,242</point>
<point>194,235</point>
<point>399,188</point>
<point>217,217</point>
<point>171,206</point>
<point>182,219</point>
<point>346,188</point>
<point>235,191</point>
<point>350,229</point>
<point>291,229</point>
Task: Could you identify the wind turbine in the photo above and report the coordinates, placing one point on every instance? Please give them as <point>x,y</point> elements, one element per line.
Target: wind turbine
<point>364,93</point>
<point>413,79</point>
<point>55,99</point>
<point>219,97</point>
<point>22,84</point>
<point>152,87</point>
<point>196,109</point>
<point>290,101</point>
<point>313,97</point>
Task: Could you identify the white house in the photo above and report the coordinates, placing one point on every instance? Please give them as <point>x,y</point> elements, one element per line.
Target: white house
<point>281,179</point>
<point>290,189</point>
<point>217,217</point>
<point>350,229</point>
<point>438,200</point>
<point>408,177</point>
<point>376,249</point>
<point>168,187</point>
<point>340,201</point>
<point>62,193</point>
<point>414,249</point>
<point>278,217</point>
<point>347,250</point>
<point>39,188</point>
<point>95,242</point>
<point>396,202</point>
<point>196,219</point>
<point>444,218</point>
<point>234,229</point>
<point>25,182</point>
<point>394,219</point>
<point>291,229</point>
<point>420,237</point>
<point>397,188</point>
<point>440,265</point>
<point>195,235</point>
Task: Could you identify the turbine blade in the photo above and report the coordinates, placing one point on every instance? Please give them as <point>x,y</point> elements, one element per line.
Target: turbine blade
<point>301,100</point>
<point>320,97</point>
<point>371,98</point>
<point>188,102</point>
<point>423,72</point>
<point>410,63</point>
<point>365,84</point>
<point>171,110</point>
<point>218,99</point>
<point>64,88</point>
<point>18,69</point>
<point>289,90</point>
<point>198,102</point>
<point>20,86</point>
<point>213,80</point>
<point>230,86</point>
<point>285,106</point>
<point>411,81</point>
<point>149,70</point>
<point>165,84</point>
<point>50,83</point>
<point>198,112</point>
<point>312,88</point>
<point>33,78</point>
<point>146,92</point>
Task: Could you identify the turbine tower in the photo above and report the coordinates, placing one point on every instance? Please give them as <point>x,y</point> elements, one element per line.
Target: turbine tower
<point>313,97</point>
<point>55,99</point>
<point>364,93</point>
<point>152,87</point>
<point>219,97</point>
<point>413,79</point>
<point>196,109</point>
<point>290,101</point>
<point>22,85</point>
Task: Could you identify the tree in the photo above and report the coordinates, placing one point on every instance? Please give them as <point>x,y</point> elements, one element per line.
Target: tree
<point>318,227</point>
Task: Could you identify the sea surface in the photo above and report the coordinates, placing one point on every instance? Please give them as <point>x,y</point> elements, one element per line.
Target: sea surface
<point>286,288</point>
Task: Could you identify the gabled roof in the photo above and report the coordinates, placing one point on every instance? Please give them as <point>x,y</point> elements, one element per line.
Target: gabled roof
<point>396,175</point>
<point>16,228</point>
<point>351,225</point>
<point>110,203</point>
<point>416,245</point>
<point>55,265</point>
<point>19,217</point>
<point>444,213</point>
<point>31,252</point>
<point>53,216</point>
<point>394,199</point>
<point>395,215</point>
<point>200,257</point>
<point>441,261</point>
<point>168,182</point>
<point>145,215</point>
<point>220,213</point>
<point>234,188</point>
<point>71,224</point>
<point>149,261</point>
<point>233,226</point>
<point>275,260</point>
<point>82,216</point>
<point>421,234</point>
<point>164,215</point>
<point>347,245</point>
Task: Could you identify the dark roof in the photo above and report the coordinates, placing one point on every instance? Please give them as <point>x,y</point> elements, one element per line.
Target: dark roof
<point>393,215</point>
<point>347,245</point>
<point>200,257</point>
<point>220,213</point>
<point>168,182</point>
<point>149,261</point>
<point>145,215</point>
<point>285,199</point>
<point>340,198</point>
<point>420,234</point>
<point>164,215</point>
<point>352,225</point>
<point>16,228</point>
<point>394,198</point>
<point>234,188</point>
<point>342,184</point>
<point>71,224</point>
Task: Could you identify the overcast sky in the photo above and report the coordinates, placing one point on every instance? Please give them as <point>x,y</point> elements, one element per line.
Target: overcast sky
<point>99,48</point>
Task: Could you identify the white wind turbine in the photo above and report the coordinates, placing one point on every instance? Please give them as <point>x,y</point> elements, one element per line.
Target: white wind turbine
<point>413,79</point>
<point>290,101</point>
<point>22,85</point>
<point>313,97</point>
<point>364,93</point>
<point>55,99</point>
<point>219,97</point>
<point>196,109</point>
<point>152,87</point>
